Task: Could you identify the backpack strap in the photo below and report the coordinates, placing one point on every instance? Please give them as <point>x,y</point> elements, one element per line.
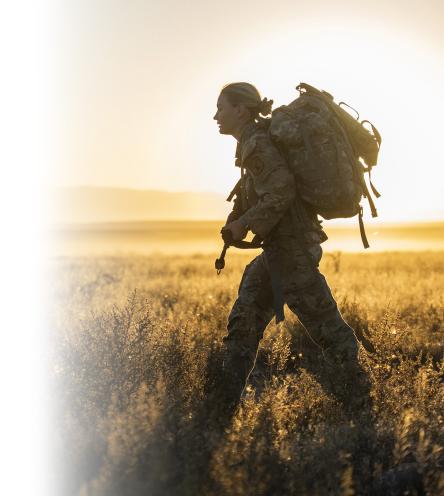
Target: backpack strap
<point>308,146</point>
<point>350,107</point>
<point>372,209</point>
<point>375,191</point>
<point>297,211</point>
<point>376,133</point>
<point>242,190</point>
<point>362,230</point>
<point>276,286</point>
<point>371,203</point>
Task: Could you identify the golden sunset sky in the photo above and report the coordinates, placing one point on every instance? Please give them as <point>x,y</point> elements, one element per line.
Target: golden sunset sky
<point>138,82</point>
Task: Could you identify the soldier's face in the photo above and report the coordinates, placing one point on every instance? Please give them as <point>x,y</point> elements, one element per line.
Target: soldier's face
<point>228,117</point>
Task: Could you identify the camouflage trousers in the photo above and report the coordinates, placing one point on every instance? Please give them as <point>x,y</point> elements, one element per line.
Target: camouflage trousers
<point>306,293</point>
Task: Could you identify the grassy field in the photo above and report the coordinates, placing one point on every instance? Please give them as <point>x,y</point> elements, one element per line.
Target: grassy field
<point>136,355</point>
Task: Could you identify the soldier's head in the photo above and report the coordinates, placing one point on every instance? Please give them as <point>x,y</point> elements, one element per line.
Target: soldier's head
<point>238,104</point>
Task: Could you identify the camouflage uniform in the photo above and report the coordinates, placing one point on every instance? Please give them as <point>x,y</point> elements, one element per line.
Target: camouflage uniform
<point>291,256</point>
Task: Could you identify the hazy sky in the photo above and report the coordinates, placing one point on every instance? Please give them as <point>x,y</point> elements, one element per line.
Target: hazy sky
<point>139,80</point>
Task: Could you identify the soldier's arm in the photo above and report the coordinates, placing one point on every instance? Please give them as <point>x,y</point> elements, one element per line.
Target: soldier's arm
<point>236,211</point>
<point>273,184</point>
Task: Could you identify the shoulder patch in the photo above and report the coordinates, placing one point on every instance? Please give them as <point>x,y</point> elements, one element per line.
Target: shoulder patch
<point>248,148</point>
<point>256,167</point>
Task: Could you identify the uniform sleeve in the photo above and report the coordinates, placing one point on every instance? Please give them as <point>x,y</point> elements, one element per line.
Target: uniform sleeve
<point>236,212</point>
<point>273,184</point>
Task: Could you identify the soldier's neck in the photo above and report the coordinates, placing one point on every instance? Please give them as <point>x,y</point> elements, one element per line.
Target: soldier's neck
<point>238,133</point>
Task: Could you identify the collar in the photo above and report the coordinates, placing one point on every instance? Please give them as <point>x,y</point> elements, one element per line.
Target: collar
<point>247,131</point>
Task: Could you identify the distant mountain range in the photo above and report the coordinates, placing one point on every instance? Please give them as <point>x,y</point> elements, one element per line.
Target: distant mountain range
<point>88,205</point>
<point>85,204</point>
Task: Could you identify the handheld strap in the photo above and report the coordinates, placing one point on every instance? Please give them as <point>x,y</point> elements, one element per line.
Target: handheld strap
<point>256,242</point>
<point>227,236</point>
<point>235,190</point>
<point>219,264</point>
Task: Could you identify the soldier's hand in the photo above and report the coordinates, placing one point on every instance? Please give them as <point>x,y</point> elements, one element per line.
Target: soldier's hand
<point>238,230</point>
<point>231,217</point>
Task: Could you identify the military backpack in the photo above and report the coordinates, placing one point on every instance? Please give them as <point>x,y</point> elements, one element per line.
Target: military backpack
<point>328,151</point>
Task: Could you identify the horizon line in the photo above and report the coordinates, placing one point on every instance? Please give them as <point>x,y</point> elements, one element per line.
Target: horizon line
<point>132,188</point>
<point>331,223</point>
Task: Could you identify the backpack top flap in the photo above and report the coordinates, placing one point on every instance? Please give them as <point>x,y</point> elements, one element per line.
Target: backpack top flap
<point>365,143</point>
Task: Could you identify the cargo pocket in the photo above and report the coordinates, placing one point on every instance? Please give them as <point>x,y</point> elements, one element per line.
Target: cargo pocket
<point>313,304</point>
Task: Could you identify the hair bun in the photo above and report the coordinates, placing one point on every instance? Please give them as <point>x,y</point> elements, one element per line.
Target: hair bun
<point>265,106</point>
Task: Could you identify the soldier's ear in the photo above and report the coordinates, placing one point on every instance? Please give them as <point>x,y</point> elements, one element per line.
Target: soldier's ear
<point>243,110</point>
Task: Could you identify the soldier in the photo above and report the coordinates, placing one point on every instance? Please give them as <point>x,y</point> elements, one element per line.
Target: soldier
<point>287,269</point>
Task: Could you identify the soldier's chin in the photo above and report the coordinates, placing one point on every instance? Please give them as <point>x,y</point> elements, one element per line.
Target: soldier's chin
<point>222,130</point>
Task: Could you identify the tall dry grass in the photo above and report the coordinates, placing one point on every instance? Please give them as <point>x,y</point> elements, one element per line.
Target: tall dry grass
<point>136,361</point>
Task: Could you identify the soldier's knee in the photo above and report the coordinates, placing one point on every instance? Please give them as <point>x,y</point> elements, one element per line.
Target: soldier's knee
<point>242,314</point>
<point>313,304</point>
<point>340,340</point>
<point>242,323</point>
<point>336,338</point>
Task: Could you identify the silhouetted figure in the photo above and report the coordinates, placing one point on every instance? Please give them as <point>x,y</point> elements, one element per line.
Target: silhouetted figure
<point>286,271</point>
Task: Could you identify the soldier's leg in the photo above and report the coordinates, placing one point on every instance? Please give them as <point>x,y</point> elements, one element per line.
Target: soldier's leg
<point>309,297</point>
<point>247,321</point>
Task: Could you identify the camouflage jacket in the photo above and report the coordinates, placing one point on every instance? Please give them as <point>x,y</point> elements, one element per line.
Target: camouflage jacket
<point>267,191</point>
